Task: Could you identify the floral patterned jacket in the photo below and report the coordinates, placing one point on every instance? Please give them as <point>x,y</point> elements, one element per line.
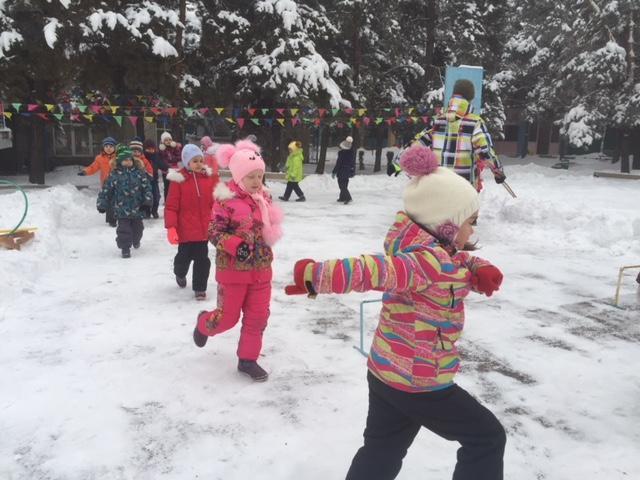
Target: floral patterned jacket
<point>235,219</point>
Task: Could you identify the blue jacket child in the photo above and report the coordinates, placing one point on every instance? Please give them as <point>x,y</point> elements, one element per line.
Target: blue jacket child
<point>128,192</point>
<point>345,169</point>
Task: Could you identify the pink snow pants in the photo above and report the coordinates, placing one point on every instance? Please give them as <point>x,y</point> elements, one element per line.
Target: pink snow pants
<point>250,299</point>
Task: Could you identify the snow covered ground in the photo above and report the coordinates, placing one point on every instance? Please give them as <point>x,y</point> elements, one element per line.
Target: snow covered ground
<point>100,379</point>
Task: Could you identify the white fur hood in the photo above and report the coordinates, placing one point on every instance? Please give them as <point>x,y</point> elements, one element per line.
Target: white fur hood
<point>223,192</point>
<point>177,176</point>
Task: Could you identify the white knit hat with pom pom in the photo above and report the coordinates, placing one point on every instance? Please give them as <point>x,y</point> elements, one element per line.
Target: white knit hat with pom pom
<point>347,143</point>
<point>435,195</point>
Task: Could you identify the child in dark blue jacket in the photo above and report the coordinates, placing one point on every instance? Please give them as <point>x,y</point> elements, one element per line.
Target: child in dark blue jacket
<point>128,192</point>
<point>345,169</point>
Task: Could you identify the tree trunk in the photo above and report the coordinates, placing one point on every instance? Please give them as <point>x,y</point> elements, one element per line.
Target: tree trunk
<point>377,166</point>
<point>324,144</point>
<point>625,164</point>
<point>631,52</point>
<point>274,152</point>
<point>357,46</point>
<point>635,147</point>
<point>37,153</point>
<point>176,122</point>
<point>430,41</point>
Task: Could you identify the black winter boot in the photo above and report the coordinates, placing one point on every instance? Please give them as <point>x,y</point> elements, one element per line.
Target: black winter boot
<point>181,281</point>
<point>301,199</point>
<point>251,368</point>
<point>126,253</point>
<point>199,339</point>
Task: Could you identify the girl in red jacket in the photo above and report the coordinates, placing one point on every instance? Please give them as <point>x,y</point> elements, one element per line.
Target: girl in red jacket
<point>186,216</point>
<point>244,226</point>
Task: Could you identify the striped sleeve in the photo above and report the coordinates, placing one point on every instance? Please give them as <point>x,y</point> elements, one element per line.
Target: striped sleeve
<point>472,263</point>
<point>414,271</point>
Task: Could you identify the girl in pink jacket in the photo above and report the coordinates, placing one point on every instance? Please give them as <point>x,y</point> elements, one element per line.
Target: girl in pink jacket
<point>425,274</point>
<point>244,226</point>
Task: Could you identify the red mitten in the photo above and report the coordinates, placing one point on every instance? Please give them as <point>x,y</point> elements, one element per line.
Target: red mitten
<point>487,279</point>
<point>172,236</point>
<point>300,287</point>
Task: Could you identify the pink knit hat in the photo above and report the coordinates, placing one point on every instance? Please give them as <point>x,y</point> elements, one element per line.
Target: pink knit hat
<point>206,142</point>
<point>242,158</point>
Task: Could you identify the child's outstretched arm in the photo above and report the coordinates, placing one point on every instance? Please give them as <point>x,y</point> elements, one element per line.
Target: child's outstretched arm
<point>408,271</point>
<point>485,277</point>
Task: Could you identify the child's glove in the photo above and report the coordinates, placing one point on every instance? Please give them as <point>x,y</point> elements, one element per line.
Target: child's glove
<point>301,285</point>
<point>499,177</point>
<point>82,173</point>
<point>172,236</point>
<point>487,279</point>
<point>243,252</point>
<point>333,175</point>
<point>101,210</point>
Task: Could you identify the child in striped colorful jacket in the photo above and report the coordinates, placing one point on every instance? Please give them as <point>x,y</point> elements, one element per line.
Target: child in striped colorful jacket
<point>425,276</point>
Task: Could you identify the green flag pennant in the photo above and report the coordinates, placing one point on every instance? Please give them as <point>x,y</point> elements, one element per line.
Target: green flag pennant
<point>256,121</point>
<point>265,111</point>
<point>188,111</point>
<point>118,119</point>
<point>58,116</point>
<point>16,106</point>
<point>82,108</point>
<point>334,111</point>
<point>379,120</point>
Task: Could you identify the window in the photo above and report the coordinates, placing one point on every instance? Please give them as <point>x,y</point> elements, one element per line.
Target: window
<point>71,140</point>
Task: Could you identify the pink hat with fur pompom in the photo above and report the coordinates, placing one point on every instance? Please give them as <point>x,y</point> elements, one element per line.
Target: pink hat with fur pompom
<point>242,158</point>
<point>435,195</point>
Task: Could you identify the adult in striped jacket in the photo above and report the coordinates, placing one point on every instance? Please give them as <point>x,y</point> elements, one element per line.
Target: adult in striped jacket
<point>425,275</point>
<point>460,138</point>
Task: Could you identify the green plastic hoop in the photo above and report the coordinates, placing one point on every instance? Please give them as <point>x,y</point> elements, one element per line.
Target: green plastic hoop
<point>26,205</point>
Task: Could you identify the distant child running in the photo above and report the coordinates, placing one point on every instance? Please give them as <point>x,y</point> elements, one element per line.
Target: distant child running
<point>425,276</point>
<point>295,172</point>
<point>126,190</point>
<point>102,164</point>
<point>186,217</point>
<point>158,164</point>
<point>244,227</point>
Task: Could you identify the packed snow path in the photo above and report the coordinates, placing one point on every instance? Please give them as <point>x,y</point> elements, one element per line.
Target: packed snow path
<point>100,378</point>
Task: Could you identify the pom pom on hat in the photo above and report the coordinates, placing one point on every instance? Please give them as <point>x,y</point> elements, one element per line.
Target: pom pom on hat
<point>347,143</point>
<point>436,195</point>
<point>206,142</point>
<point>418,160</point>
